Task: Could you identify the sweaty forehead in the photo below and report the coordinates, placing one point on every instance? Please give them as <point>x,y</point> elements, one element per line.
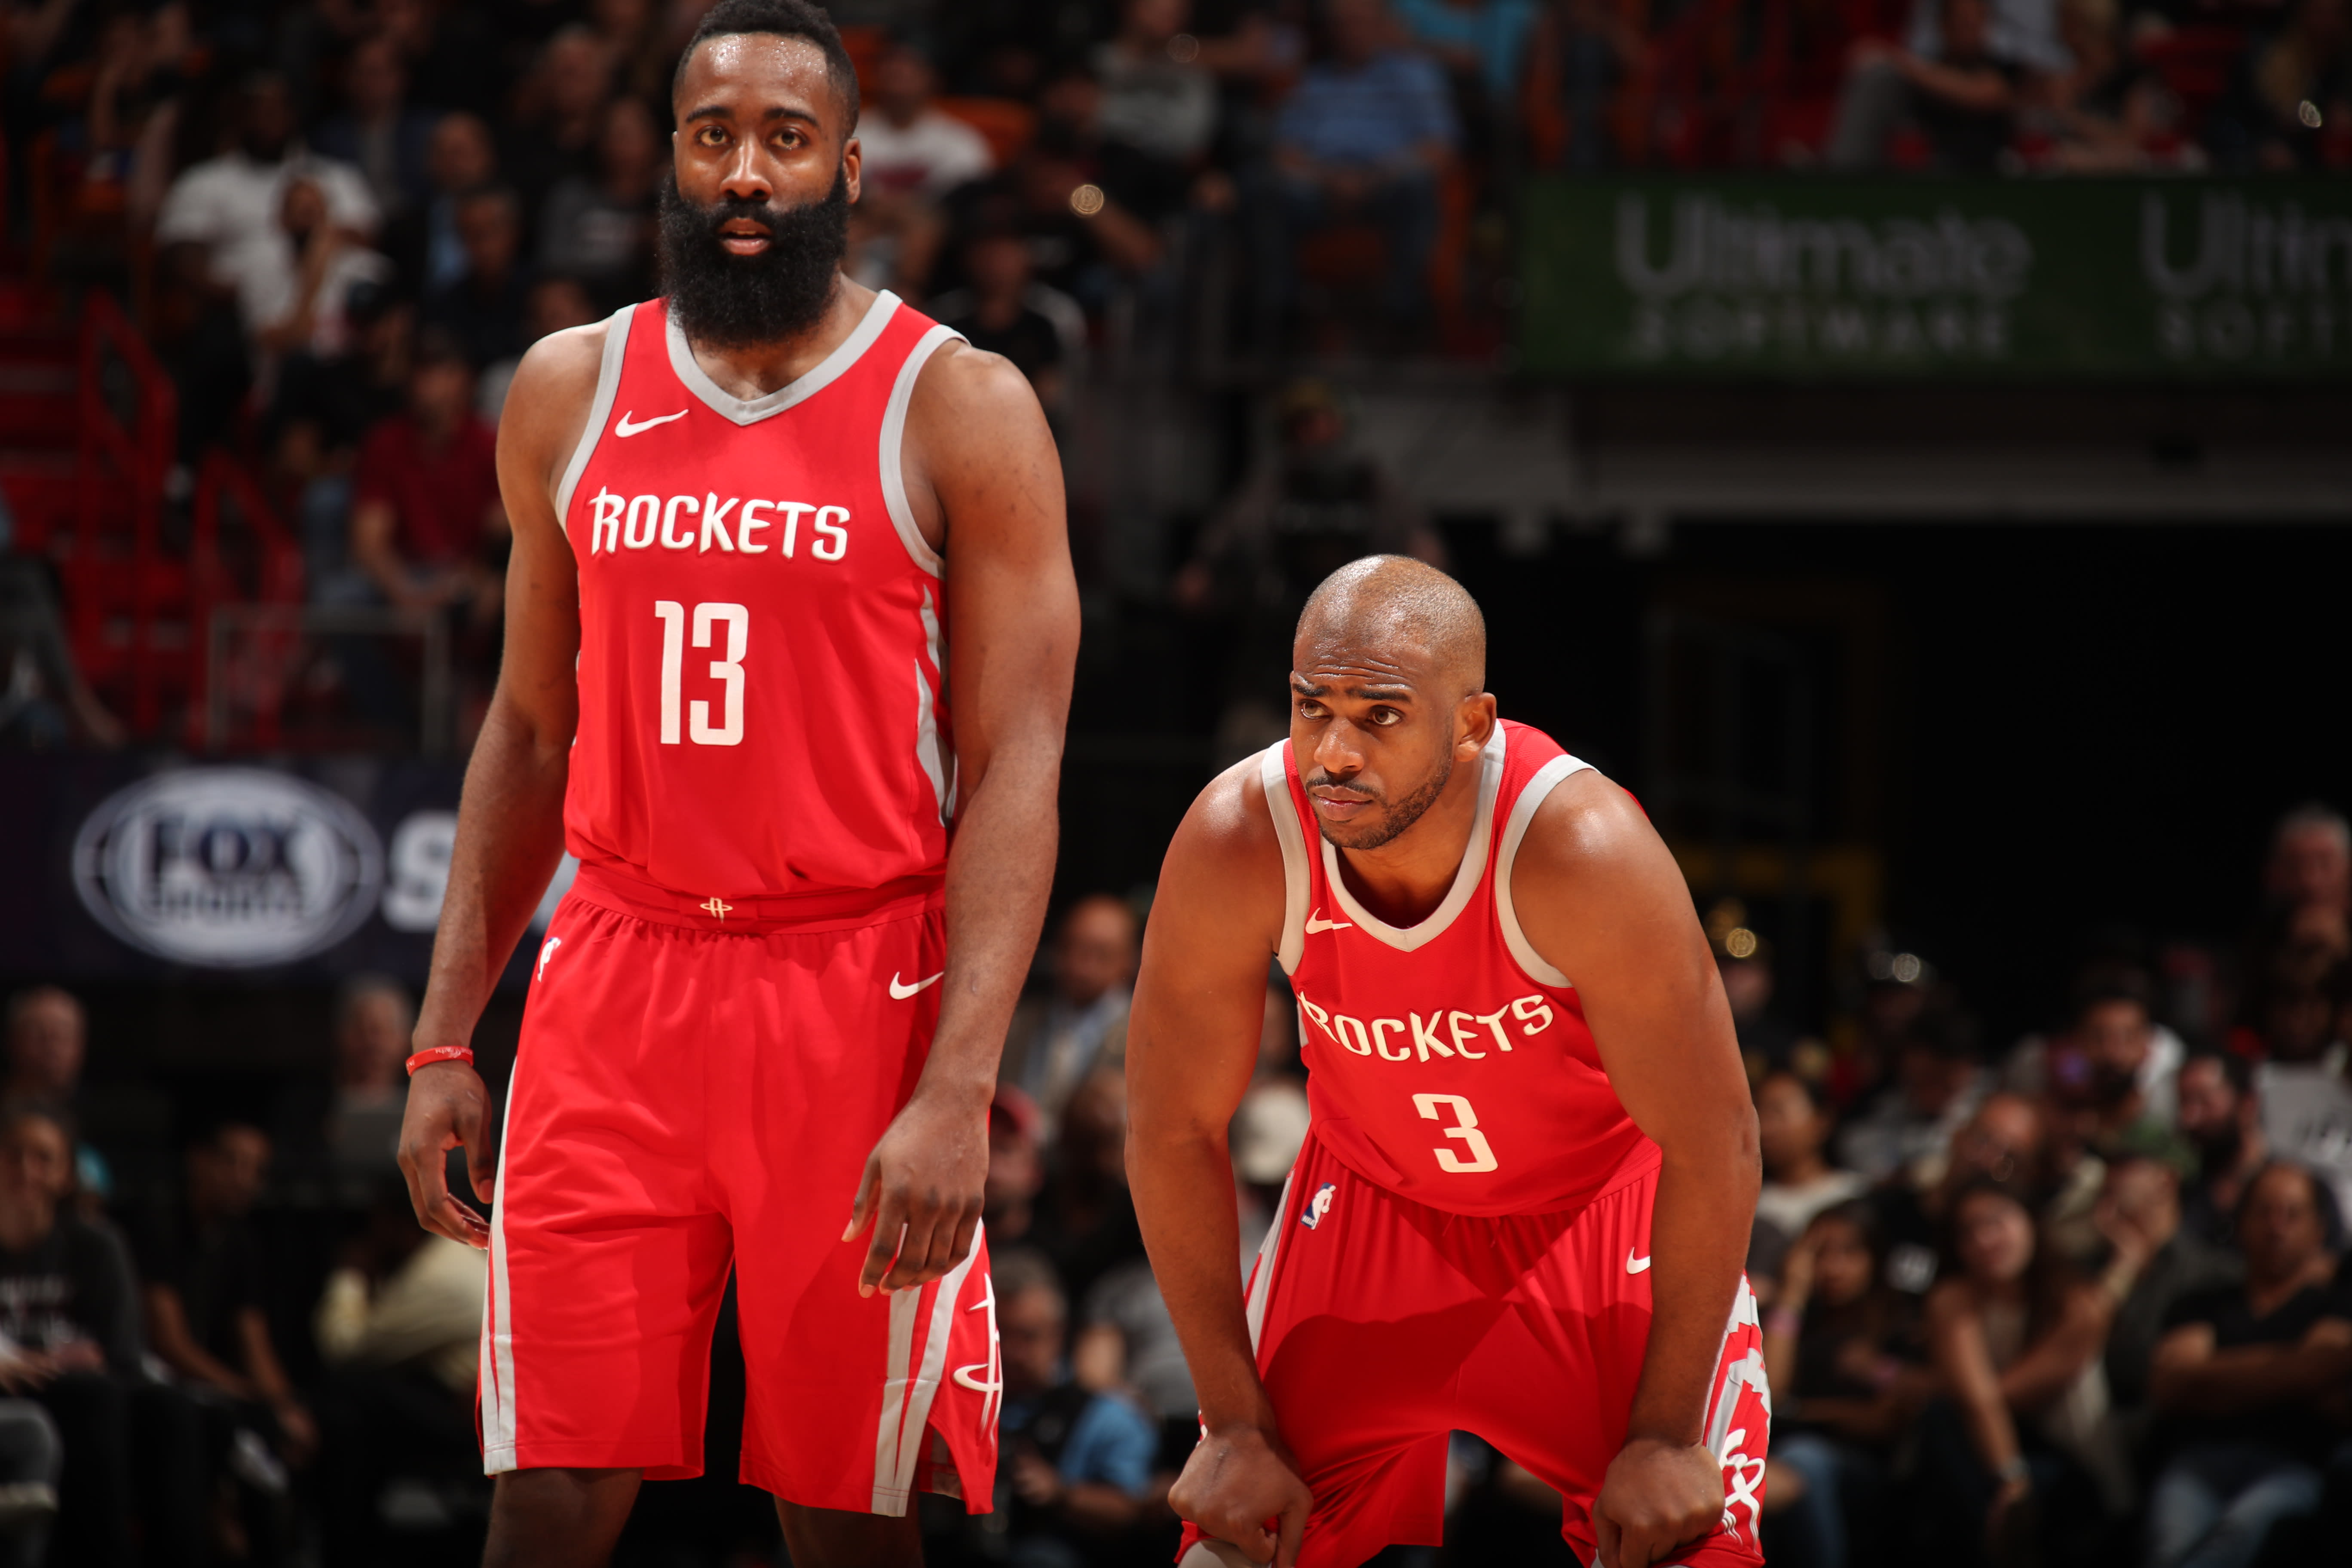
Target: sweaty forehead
<point>753,73</point>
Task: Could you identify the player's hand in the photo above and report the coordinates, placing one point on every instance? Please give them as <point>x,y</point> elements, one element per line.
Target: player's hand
<point>1237,1478</point>
<point>448,1109</point>
<point>1657,1497</point>
<point>921,1192</point>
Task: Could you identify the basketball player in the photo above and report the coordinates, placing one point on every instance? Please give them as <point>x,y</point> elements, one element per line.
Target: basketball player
<point>1524,1200</point>
<point>789,597</point>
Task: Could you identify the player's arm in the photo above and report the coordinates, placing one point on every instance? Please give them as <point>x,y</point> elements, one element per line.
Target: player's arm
<point>1601,899</point>
<point>510,817</point>
<point>1192,1044</point>
<point>984,474</point>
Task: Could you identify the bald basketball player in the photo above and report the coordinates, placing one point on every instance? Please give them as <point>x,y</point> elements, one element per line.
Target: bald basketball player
<point>1523,1203</point>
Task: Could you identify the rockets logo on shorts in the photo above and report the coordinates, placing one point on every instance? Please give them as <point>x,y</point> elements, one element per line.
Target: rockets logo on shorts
<point>1318,1205</point>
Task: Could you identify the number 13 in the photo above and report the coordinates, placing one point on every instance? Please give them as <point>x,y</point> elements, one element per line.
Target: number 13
<point>1465,1128</point>
<point>730,729</point>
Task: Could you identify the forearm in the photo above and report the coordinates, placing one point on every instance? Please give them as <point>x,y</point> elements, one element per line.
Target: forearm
<point>509,841</point>
<point>1194,1241</point>
<point>1699,1241</point>
<point>2233,1381</point>
<point>1000,872</point>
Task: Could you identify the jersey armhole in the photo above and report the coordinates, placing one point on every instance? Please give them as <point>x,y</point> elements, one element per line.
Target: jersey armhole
<point>1294,870</point>
<point>894,440</point>
<point>1522,811</point>
<point>608,387</point>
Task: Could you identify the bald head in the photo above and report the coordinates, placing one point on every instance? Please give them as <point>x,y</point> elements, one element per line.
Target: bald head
<point>1388,693</point>
<point>1404,609</point>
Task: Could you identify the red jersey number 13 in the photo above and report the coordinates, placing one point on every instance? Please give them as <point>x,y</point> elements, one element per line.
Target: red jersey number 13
<point>729,731</point>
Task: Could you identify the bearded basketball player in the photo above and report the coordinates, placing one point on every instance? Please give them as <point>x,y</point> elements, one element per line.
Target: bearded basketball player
<point>790,631</point>
<point>1526,1194</point>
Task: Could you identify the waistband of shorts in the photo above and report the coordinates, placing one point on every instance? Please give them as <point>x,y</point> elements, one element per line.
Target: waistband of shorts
<point>756,913</point>
<point>1637,1165</point>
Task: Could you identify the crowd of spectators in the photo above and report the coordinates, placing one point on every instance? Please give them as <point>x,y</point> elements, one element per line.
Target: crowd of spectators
<point>2086,1294</point>
<point>2082,1296</point>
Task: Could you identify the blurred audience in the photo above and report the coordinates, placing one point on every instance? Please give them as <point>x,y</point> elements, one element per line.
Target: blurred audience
<point>427,526</point>
<point>1080,1024</point>
<point>2022,1452</point>
<point>1076,1465</point>
<point>48,1041</point>
<point>1364,137</point>
<point>1958,91</point>
<point>374,1018</point>
<point>2250,1382</point>
<point>1793,1126</point>
<point>599,228</point>
<point>1842,1352</point>
<point>205,1284</point>
<point>2222,1118</point>
<point>1937,1084</point>
<point>70,1341</point>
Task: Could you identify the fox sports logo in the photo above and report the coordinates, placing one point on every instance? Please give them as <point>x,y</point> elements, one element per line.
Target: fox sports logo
<point>227,868</point>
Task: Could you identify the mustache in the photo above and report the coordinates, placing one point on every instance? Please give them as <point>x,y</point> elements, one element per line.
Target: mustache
<point>1320,780</point>
<point>731,208</point>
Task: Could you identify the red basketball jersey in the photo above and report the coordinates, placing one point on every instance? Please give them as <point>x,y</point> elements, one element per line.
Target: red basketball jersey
<point>1448,1062</point>
<point>762,710</point>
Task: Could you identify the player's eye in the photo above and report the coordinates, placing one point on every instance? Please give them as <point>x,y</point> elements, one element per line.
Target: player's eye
<point>1310,709</point>
<point>710,136</point>
<point>1384,716</point>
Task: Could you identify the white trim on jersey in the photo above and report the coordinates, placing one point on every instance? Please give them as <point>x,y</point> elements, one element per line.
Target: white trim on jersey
<point>751,410</point>
<point>498,1374</point>
<point>1465,879</point>
<point>1296,882</point>
<point>608,387</point>
<point>1522,811</point>
<point>1261,1285</point>
<point>892,455</point>
<point>936,761</point>
<point>905,1426</point>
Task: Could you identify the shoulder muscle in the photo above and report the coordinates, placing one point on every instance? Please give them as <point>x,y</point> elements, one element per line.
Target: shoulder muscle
<point>547,405</point>
<point>1221,888</point>
<point>979,456</point>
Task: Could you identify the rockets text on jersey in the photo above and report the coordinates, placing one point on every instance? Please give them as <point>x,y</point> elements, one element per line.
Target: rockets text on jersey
<point>762,654</point>
<point>1449,1063</point>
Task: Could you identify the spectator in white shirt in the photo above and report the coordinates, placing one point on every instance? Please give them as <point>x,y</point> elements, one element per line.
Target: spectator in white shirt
<point>913,155</point>
<point>909,143</point>
<point>229,206</point>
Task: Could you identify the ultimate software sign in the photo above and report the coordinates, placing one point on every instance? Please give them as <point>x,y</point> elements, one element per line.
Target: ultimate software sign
<point>1824,278</point>
<point>228,868</point>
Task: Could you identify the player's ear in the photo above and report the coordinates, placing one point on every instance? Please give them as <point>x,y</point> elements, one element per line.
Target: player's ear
<point>853,162</point>
<point>1473,724</point>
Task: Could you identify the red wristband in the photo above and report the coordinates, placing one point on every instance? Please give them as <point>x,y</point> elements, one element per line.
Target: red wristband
<point>432,1054</point>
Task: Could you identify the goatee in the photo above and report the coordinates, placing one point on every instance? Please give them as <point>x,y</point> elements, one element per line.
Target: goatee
<point>1400,815</point>
<point>730,302</point>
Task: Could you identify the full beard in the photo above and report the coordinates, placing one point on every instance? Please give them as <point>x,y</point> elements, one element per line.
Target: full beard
<point>1399,817</point>
<point>731,301</point>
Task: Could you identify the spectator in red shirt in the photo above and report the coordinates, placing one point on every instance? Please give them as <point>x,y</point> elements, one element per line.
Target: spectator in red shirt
<point>426,524</point>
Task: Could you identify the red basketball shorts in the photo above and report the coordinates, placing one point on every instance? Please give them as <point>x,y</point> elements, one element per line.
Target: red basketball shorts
<point>695,1092</point>
<point>1382,1325</point>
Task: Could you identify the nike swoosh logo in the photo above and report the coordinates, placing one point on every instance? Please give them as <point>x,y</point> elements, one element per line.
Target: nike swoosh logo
<point>642,426</point>
<point>1316,922</point>
<point>1635,1265</point>
<point>902,990</point>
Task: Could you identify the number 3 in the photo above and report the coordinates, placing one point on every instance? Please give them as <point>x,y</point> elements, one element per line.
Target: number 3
<point>1465,1128</point>
<point>672,614</point>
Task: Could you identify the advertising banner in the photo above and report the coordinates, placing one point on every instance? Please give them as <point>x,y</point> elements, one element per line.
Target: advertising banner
<point>122,868</point>
<point>1832,278</point>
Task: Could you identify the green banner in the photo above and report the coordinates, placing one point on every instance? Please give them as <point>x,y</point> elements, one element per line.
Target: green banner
<point>1821,277</point>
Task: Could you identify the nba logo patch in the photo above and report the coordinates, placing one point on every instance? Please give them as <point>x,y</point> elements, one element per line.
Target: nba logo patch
<point>1319,1205</point>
